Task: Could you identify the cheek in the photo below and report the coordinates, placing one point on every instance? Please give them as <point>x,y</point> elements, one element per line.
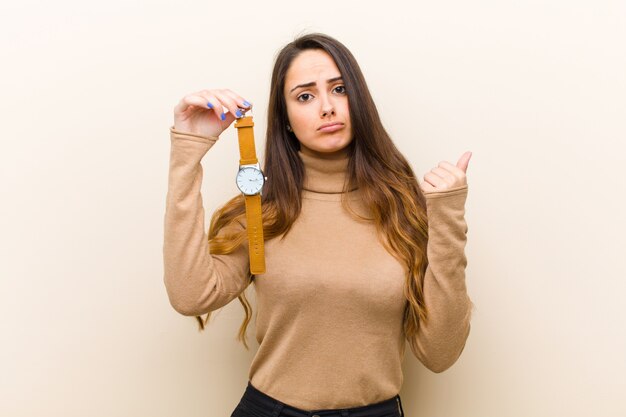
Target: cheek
<point>302,118</point>
<point>344,105</point>
<point>289,111</point>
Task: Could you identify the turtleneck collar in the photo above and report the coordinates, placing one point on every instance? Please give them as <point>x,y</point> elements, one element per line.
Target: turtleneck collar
<point>324,175</point>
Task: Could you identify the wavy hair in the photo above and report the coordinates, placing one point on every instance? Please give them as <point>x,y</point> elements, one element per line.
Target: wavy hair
<point>398,209</point>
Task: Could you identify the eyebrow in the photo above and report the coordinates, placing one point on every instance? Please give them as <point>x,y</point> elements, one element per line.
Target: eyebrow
<point>312,83</point>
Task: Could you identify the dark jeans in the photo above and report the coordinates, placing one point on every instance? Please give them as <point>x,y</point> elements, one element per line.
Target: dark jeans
<point>255,403</point>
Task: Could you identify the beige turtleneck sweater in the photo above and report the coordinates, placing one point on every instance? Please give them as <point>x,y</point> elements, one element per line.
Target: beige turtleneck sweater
<point>330,305</point>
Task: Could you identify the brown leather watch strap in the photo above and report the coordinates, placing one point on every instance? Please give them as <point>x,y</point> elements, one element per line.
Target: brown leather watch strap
<point>247,150</point>
<point>254,211</point>
<point>255,234</point>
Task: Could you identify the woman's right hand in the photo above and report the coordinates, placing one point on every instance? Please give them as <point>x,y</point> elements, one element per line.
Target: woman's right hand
<point>193,114</point>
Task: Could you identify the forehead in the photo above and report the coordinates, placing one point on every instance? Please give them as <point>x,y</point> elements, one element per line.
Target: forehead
<point>310,65</point>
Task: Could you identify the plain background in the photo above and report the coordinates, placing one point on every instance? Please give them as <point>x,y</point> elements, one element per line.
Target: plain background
<point>535,89</point>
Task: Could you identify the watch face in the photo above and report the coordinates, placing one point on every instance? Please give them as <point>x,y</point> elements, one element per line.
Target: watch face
<point>250,180</point>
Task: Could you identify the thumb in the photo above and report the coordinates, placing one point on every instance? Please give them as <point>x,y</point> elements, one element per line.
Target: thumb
<point>464,161</point>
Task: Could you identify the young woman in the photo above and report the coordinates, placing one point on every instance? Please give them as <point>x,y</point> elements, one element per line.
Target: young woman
<point>360,258</point>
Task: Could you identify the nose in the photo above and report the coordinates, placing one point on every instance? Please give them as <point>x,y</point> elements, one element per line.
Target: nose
<point>326,112</point>
<point>327,106</point>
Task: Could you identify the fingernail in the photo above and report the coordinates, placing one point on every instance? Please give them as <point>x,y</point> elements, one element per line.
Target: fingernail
<point>223,116</point>
<point>245,103</point>
<point>239,113</point>
<point>209,105</point>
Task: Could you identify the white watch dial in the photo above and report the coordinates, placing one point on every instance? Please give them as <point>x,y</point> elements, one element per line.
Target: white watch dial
<point>250,180</point>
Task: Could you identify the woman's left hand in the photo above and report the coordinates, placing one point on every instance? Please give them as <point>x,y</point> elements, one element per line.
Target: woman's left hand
<point>446,176</point>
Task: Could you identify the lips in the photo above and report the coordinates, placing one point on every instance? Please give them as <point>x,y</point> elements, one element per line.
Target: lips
<point>330,127</point>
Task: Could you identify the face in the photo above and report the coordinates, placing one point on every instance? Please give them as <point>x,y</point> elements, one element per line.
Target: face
<point>315,96</point>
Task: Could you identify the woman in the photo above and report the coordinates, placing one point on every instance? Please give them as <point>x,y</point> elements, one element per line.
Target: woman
<point>355,267</point>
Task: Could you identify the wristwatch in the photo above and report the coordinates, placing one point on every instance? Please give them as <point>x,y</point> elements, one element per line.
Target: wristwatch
<point>250,180</point>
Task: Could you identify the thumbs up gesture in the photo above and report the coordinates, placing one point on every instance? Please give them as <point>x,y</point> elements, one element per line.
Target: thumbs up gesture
<point>446,176</point>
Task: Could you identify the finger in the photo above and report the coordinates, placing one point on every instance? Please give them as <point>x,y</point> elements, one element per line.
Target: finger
<point>241,102</point>
<point>229,103</point>
<point>434,179</point>
<point>426,187</point>
<point>190,100</point>
<point>464,161</point>
<point>445,175</point>
<point>212,102</point>
<point>454,170</point>
<point>242,106</point>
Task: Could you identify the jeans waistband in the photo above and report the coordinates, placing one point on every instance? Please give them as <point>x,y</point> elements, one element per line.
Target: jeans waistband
<point>265,405</point>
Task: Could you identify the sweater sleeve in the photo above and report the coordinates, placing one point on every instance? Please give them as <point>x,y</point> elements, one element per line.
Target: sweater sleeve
<point>440,341</point>
<point>196,280</point>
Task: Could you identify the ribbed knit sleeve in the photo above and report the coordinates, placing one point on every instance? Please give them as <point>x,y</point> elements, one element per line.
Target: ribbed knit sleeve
<point>196,281</point>
<point>440,341</point>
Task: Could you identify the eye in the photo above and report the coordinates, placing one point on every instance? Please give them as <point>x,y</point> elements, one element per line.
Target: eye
<point>302,95</point>
<point>341,87</point>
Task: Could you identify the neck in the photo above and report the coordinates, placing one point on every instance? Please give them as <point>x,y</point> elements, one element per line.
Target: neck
<point>340,154</point>
<point>324,175</point>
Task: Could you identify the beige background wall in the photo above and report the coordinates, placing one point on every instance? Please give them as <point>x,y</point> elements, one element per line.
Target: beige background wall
<point>535,89</point>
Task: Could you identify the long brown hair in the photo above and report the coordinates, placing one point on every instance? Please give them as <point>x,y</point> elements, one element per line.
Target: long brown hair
<point>398,208</point>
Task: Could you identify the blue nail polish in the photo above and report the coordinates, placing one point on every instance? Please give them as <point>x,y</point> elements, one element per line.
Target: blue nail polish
<point>209,105</point>
<point>239,113</point>
<point>223,116</point>
<point>245,103</point>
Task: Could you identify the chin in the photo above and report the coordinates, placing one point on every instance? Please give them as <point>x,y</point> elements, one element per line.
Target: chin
<point>333,145</point>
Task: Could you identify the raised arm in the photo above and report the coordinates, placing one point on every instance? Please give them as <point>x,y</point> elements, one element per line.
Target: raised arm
<point>196,281</point>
